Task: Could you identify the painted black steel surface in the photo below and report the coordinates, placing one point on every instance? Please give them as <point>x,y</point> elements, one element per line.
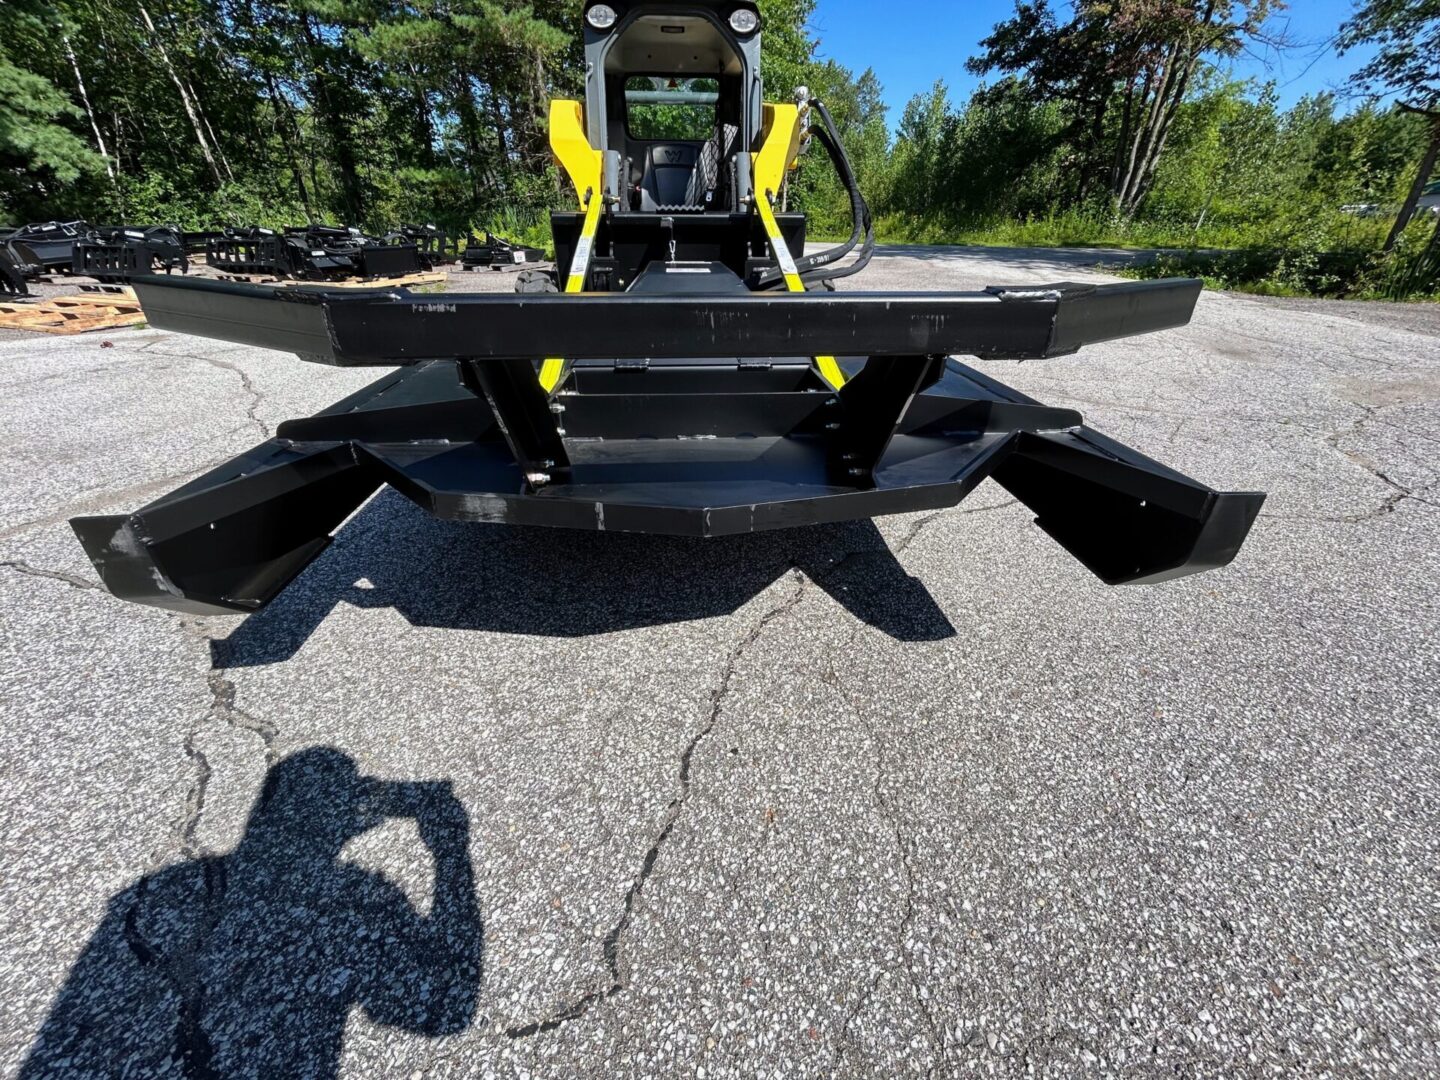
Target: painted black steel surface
<point>661,462</point>
<point>383,328</point>
<point>690,408</point>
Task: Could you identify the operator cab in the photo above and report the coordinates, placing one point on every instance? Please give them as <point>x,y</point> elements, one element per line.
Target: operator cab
<point>680,167</point>
<point>677,99</point>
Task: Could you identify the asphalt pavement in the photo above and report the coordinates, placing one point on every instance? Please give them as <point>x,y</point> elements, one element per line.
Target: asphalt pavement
<point>917,797</point>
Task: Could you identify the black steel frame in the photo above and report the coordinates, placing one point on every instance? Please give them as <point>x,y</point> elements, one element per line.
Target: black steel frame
<point>497,253</point>
<point>720,437</point>
<point>51,242</point>
<point>626,243</point>
<point>309,253</point>
<point>354,328</point>
<point>119,252</point>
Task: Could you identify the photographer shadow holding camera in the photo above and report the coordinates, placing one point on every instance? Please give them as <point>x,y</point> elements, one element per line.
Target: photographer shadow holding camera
<point>248,964</point>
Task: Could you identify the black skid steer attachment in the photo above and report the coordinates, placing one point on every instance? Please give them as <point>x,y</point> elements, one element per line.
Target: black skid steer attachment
<point>116,253</point>
<point>720,437</point>
<point>688,368</point>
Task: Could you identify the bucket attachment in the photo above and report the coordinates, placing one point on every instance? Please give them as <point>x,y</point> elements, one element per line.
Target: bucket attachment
<point>49,245</point>
<point>726,434</point>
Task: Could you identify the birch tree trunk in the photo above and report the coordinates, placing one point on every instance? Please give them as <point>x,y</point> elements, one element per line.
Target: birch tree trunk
<point>219,150</point>
<point>1144,106</point>
<point>1152,160</point>
<point>89,111</point>
<point>205,149</point>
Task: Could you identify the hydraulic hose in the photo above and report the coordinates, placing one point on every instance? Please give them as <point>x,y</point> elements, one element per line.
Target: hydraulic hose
<point>811,266</point>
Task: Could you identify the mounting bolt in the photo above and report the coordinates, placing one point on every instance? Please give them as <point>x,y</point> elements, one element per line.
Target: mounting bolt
<point>834,426</point>
<point>856,471</point>
<point>849,455</point>
<point>556,408</point>
<point>560,431</point>
<point>537,479</point>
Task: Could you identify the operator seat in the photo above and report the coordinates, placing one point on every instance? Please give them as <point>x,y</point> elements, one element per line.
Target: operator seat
<point>685,176</point>
<point>671,178</point>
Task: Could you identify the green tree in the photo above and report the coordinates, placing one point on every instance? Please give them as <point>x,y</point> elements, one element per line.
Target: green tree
<point>1138,55</point>
<point>38,148</point>
<point>1407,64</point>
<point>789,49</point>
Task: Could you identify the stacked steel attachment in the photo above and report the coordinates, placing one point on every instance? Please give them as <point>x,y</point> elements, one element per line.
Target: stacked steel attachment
<point>50,245</point>
<point>115,253</point>
<point>434,247</point>
<point>309,253</point>
<point>497,253</point>
<point>686,376</point>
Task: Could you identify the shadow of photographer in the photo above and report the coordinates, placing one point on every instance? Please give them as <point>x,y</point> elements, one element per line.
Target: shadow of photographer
<point>248,963</point>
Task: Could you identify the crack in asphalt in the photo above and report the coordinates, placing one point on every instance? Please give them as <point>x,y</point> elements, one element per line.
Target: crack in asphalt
<point>193,1049</point>
<point>195,797</point>
<point>611,947</point>
<point>892,815</point>
<point>222,700</point>
<point>1398,491</point>
<point>222,708</point>
<point>20,566</point>
<point>903,846</point>
<point>737,882</point>
<point>256,397</point>
<point>107,498</point>
<point>191,1038</point>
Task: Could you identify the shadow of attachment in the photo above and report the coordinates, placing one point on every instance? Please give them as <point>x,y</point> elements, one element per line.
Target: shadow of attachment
<point>247,964</point>
<point>564,583</point>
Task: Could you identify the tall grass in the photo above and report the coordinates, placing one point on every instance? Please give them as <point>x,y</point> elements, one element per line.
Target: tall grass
<point>530,227</point>
<point>1410,272</point>
<point>1070,228</point>
<point>1308,253</point>
<point>1089,228</point>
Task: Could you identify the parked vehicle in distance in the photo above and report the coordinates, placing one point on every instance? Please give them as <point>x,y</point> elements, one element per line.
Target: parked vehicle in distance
<point>1430,197</point>
<point>1429,204</point>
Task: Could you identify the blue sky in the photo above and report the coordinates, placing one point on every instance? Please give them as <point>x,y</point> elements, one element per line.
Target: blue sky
<point>911,43</point>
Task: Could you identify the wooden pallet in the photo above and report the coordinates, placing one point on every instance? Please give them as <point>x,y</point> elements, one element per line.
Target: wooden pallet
<point>426,277</point>
<point>74,314</point>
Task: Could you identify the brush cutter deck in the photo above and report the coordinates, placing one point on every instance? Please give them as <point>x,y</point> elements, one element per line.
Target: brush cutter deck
<point>719,437</point>
<point>692,373</point>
